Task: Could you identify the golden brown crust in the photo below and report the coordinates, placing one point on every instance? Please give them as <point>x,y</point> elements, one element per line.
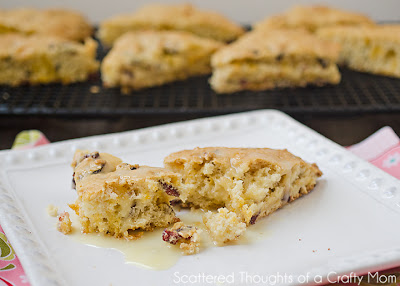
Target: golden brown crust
<point>183,17</point>
<point>19,46</point>
<point>150,58</point>
<point>282,158</point>
<point>269,45</point>
<point>390,33</point>
<point>61,23</point>
<point>153,45</point>
<point>313,17</point>
<point>93,174</point>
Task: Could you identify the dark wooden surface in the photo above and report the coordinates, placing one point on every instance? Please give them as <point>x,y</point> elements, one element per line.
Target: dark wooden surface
<point>343,129</point>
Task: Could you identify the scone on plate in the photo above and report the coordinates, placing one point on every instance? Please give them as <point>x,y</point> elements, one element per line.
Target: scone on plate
<point>150,58</point>
<point>267,59</point>
<point>40,59</point>
<point>252,182</point>
<point>180,17</point>
<point>116,198</point>
<point>312,18</point>
<point>374,49</point>
<point>66,24</point>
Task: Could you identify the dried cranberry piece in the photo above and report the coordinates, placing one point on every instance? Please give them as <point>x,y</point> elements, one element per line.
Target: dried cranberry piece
<point>99,170</point>
<point>279,57</point>
<point>254,218</point>
<point>170,190</point>
<point>323,63</point>
<point>93,155</point>
<point>243,82</point>
<point>170,236</point>
<point>73,185</point>
<point>175,202</point>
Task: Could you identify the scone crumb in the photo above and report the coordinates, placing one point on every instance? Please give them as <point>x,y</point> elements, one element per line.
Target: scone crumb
<point>223,226</point>
<point>94,89</point>
<point>188,237</point>
<point>52,210</point>
<point>64,223</point>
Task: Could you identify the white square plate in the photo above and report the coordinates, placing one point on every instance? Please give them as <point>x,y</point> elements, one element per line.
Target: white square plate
<point>354,210</point>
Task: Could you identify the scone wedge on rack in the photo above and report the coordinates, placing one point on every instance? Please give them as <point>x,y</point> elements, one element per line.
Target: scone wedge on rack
<point>62,23</point>
<point>274,59</point>
<point>178,17</point>
<point>39,59</point>
<point>116,198</point>
<point>312,18</point>
<point>151,58</point>
<point>373,49</point>
<point>251,182</point>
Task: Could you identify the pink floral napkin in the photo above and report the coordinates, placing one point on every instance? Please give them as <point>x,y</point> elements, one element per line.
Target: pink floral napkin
<point>381,149</point>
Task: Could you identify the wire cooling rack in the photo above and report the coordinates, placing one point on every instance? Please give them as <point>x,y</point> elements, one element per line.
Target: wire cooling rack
<point>357,92</point>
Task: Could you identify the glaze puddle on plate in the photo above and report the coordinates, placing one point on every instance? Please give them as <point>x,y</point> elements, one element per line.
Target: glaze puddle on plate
<point>150,251</point>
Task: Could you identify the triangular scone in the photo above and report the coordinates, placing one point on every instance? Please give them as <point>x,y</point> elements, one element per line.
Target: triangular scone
<point>61,23</point>
<point>116,198</point>
<point>178,17</point>
<point>41,59</point>
<point>274,58</point>
<point>312,18</point>
<point>374,49</point>
<point>151,58</point>
<point>252,182</point>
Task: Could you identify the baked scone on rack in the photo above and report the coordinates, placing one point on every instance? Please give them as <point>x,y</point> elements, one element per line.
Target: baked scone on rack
<point>180,17</point>
<point>116,198</point>
<point>39,59</point>
<point>62,23</point>
<point>267,59</point>
<point>151,58</point>
<point>252,182</point>
<point>374,49</point>
<point>312,18</point>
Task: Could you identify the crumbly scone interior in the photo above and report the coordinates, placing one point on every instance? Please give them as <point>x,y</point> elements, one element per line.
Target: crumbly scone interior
<point>252,191</point>
<point>223,226</point>
<point>187,237</point>
<point>127,207</point>
<point>116,199</point>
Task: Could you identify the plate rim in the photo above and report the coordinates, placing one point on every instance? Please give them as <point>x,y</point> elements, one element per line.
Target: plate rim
<point>377,183</point>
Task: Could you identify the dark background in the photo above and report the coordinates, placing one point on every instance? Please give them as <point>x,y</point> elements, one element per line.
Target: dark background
<point>341,128</point>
